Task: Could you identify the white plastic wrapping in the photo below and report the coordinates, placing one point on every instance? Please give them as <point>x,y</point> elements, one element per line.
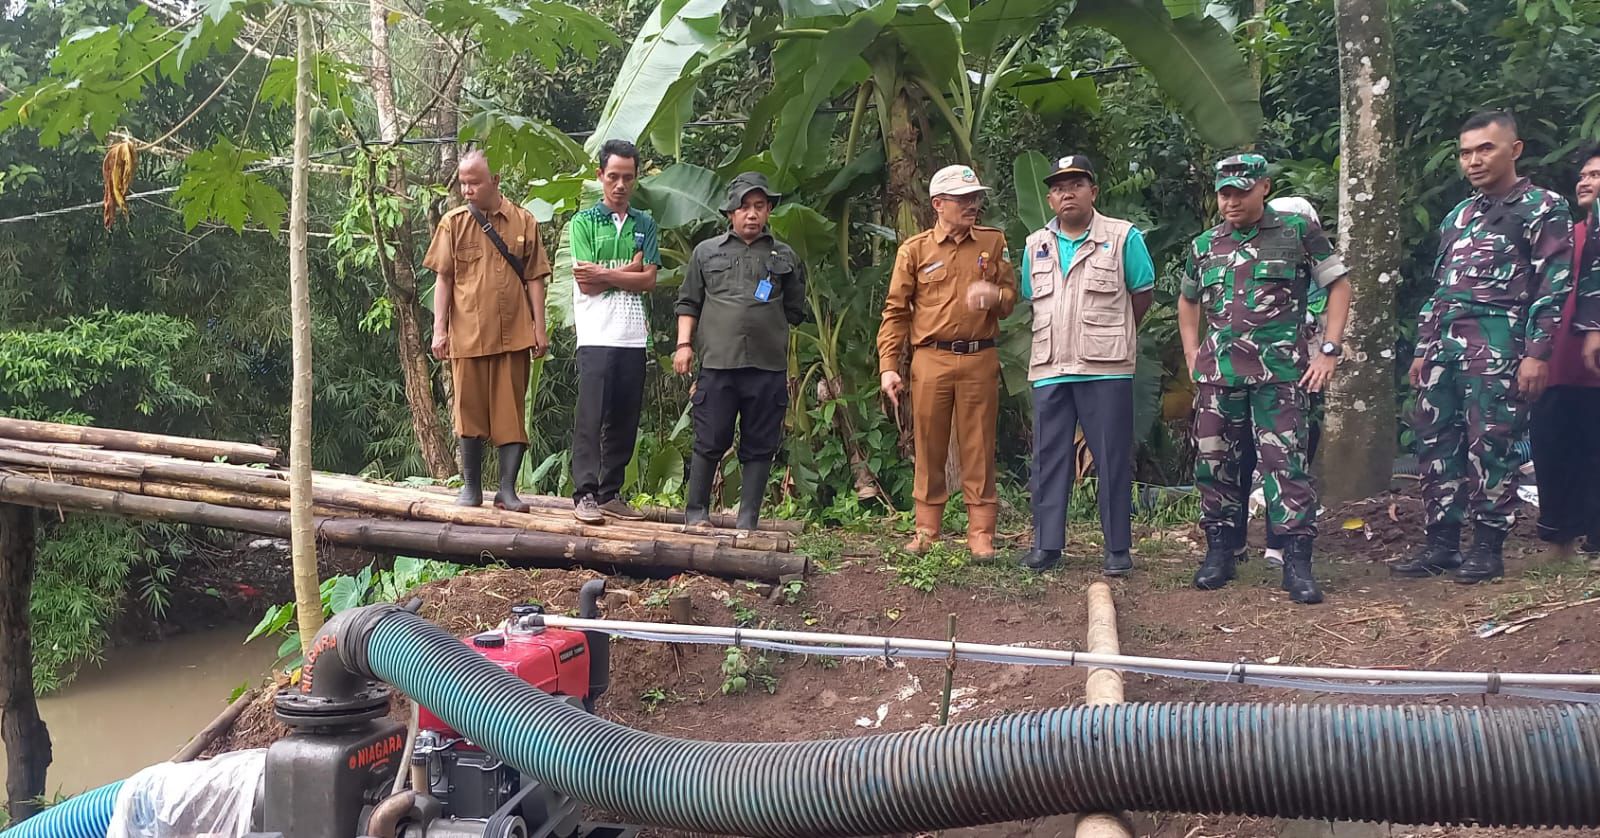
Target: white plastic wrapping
<point>209,799</point>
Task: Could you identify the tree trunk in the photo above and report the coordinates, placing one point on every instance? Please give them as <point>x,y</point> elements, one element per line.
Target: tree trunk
<point>1359,429</point>
<point>400,277</point>
<point>27,741</point>
<point>302,532</point>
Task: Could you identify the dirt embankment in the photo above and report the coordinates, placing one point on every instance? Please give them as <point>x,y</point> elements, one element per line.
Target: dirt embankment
<point>1369,620</point>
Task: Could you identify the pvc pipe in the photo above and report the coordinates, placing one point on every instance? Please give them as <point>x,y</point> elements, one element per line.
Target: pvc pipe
<point>1104,686</point>
<point>1483,681</point>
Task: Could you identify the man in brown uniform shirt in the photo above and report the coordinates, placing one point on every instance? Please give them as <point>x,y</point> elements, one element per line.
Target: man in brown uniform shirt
<point>951,286</point>
<point>486,320</point>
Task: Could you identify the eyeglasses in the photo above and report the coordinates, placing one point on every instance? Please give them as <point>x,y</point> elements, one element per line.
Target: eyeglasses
<point>967,200</point>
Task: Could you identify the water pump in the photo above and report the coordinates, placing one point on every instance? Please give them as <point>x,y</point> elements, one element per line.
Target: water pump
<point>332,776</point>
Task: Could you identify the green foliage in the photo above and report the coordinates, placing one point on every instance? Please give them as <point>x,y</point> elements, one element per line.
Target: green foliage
<point>941,564</point>
<point>740,669</point>
<point>106,362</point>
<point>85,567</point>
<point>671,45</point>
<point>341,593</point>
<point>219,185</point>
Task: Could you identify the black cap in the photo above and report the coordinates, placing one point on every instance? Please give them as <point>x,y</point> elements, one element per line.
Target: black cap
<point>744,184</point>
<point>1073,164</point>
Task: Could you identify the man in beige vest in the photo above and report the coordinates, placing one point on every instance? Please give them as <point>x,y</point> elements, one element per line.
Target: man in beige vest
<point>1091,281</point>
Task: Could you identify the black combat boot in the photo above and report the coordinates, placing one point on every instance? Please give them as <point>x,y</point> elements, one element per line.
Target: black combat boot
<point>471,472</point>
<point>1441,554</point>
<point>510,465</point>
<point>1486,559</point>
<point>1297,571</point>
<point>697,496</point>
<point>1217,569</point>
<point>752,490</point>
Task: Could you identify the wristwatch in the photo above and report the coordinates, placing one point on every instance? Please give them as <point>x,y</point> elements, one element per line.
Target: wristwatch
<point>1332,349</point>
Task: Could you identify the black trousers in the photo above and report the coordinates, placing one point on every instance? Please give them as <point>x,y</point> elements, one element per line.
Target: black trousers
<point>755,399</point>
<point>1105,410</point>
<point>1565,433</point>
<point>1247,470</point>
<point>610,396</point>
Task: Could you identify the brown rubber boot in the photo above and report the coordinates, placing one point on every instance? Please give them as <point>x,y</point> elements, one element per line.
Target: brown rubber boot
<point>980,530</point>
<point>930,517</point>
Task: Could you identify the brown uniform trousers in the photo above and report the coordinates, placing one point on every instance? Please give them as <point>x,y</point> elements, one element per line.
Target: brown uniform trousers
<point>491,324</point>
<point>926,304</point>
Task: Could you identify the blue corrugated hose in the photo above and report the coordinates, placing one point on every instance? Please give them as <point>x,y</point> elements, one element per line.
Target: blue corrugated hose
<point>86,816</point>
<point>1510,766</point>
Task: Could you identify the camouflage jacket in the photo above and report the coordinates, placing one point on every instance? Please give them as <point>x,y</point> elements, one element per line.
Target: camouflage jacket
<point>1252,287</point>
<point>1504,268</point>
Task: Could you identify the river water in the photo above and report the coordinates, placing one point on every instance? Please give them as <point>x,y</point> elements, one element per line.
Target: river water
<point>144,702</point>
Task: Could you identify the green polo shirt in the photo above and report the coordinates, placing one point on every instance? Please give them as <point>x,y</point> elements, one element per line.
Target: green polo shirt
<point>1138,271</point>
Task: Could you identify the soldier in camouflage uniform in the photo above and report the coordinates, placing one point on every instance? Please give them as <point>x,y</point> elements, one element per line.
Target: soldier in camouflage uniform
<point>1244,290</point>
<point>1483,342</point>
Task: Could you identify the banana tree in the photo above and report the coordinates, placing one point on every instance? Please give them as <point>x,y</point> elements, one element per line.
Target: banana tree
<point>942,62</point>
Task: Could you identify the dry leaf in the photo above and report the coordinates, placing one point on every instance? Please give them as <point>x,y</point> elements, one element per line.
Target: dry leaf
<point>1354,523</point>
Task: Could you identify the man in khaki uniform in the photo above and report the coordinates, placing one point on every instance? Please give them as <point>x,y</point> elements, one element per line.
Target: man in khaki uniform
<point>488,316</point>
<point>950,288</point>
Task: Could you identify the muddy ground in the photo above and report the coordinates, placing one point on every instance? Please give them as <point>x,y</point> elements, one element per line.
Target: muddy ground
<point>1369,620</point>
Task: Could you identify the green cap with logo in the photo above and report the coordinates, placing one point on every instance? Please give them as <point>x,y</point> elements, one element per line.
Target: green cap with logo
<point>1241,171</point>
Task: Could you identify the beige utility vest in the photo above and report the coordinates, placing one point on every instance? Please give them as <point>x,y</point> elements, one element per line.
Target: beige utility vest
<point>1082,312</point>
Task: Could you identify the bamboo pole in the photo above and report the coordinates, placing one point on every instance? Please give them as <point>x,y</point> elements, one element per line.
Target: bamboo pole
<point>157,478</point>
<point>218,726</point>
<point>48,456</point>
<point>1104,686</point>
<point>480,545</point>
<point>654,514</point>
<point>172,446</point>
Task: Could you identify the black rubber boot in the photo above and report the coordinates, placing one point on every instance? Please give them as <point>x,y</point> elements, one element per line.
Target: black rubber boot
<point>1440,555</point>
<point>1486,559</point>
<point>1218,567</point>
<point>752,490</point>
<point>1041,560</point>
<point>1117,563</point>
<point>697,496</point>
<point>1297,578</point>
<point>471,472</point>
<point>510,464</point>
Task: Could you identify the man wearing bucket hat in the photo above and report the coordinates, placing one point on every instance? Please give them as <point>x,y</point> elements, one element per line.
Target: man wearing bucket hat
<point>950,287</point>
<point>1091,281</point>
<point>741,292</point>
<point>1241,310</point>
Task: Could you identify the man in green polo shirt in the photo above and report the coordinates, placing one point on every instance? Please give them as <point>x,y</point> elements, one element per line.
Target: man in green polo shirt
<point>1091,280</point>
<point>615,256</point>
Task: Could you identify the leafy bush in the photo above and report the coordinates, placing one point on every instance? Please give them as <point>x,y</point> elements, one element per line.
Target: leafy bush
<point>85,566</point>
<point>341,593</point>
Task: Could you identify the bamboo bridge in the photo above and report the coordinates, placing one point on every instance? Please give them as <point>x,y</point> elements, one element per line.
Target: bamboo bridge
<point>244,487</point>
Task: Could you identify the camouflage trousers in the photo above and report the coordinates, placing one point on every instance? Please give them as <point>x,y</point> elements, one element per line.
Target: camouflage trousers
<point>1274,415</point>
<point>1466,424</point>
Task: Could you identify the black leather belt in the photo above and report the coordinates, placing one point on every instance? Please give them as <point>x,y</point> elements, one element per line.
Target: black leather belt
<point>961,347</point>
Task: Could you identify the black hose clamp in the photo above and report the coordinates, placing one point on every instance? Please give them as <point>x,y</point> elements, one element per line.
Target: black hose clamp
<point>1493,687</point>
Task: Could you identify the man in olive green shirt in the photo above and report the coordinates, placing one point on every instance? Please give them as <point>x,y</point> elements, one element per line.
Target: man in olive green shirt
<point>741,293</point>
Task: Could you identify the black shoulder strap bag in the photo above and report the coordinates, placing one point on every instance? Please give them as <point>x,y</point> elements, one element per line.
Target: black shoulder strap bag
<point>499,243</point>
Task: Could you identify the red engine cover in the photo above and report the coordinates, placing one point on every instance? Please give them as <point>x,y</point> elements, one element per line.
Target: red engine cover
<point>554,660</point>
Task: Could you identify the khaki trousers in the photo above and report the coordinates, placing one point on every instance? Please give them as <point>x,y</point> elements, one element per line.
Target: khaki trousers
<point>963,390</point>
<point>491,397</point>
